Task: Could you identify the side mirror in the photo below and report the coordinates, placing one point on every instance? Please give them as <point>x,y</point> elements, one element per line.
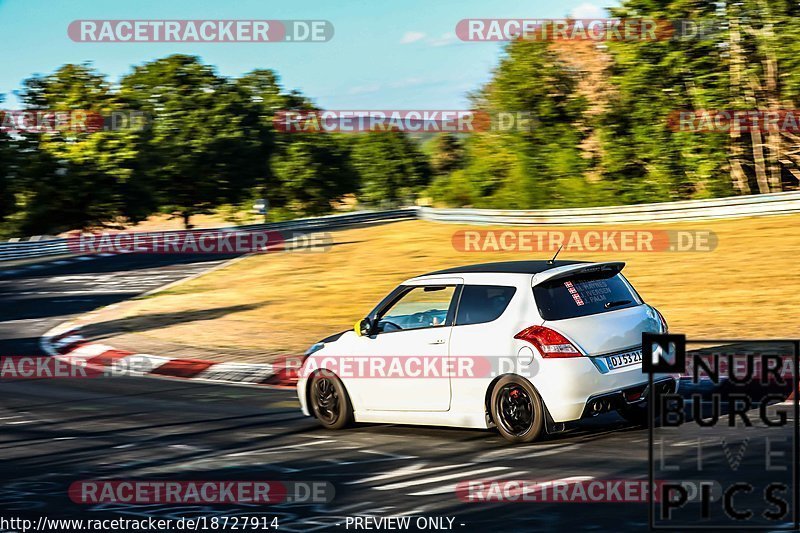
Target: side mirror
<point>363,327</point>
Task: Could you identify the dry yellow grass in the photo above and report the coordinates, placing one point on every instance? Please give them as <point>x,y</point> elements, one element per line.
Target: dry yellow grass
<point>746,288</point>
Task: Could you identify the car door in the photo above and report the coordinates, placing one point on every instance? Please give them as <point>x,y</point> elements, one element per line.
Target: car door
<point>407,355</point>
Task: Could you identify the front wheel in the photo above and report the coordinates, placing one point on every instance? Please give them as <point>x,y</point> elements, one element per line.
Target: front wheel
<point>517,410</point>
<point>329,401</point>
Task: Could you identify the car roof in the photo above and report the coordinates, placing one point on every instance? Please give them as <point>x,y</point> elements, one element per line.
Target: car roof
<point>508,267</point>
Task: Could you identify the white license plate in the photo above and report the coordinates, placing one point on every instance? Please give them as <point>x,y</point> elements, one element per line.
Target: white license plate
<point>624,359</point>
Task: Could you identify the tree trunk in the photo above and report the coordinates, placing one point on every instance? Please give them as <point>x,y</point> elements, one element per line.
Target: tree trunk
<point>758,160</point>
<point>738,176</point>
<point>774,139</point>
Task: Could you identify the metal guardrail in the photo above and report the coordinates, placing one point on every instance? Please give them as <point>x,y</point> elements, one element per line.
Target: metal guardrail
<point>737,206</point>
<point>12,251</point>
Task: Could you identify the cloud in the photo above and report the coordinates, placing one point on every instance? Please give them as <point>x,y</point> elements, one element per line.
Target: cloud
<point>445,40</point>
<point>412,37</point>
<point>365,89</point>
<point>587,10</point>
<point>407,82</point>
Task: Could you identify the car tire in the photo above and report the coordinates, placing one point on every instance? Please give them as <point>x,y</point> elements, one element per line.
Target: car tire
<point>329,401</point>
<point>517,410</point>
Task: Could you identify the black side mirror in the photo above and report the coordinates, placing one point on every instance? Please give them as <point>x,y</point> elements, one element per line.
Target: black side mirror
<point>363,327</point>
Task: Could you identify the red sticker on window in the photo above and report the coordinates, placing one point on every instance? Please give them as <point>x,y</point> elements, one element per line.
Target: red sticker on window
<point>574,293</point>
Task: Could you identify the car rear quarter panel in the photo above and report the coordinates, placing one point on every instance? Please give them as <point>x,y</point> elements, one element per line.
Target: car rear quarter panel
<point>491,346</point>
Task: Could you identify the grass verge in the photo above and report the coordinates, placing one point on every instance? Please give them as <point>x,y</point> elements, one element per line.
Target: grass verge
<point>281,303</point>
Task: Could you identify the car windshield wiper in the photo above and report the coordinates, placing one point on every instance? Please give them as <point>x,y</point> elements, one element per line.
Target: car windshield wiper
<point>616,303</point>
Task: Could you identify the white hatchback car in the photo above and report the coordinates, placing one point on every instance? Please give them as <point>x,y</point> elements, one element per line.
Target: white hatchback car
<point>524,346</point>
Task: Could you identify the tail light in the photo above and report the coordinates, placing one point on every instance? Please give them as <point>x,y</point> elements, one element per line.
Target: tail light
<point>550,343</point>
<point>664,327</point>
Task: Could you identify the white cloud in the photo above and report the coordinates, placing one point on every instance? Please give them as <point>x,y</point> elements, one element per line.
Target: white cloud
<point>412,37</point>
<point>445,40</point>
<point>365,89</point>
<point>587,10</point>
<point>407,82</point>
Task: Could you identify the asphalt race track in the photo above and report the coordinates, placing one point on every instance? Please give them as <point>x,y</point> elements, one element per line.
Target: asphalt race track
<point>58,431</point>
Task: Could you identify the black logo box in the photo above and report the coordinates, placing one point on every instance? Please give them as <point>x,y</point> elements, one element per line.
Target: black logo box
<point>670,357</point>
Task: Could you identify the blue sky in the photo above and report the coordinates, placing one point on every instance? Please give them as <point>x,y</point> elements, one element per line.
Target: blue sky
<point>386,54</point>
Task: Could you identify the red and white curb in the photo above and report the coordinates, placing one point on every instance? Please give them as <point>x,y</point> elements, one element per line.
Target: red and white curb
<point>65,343</point>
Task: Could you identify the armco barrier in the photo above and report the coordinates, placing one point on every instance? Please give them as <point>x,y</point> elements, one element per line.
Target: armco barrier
<point>737,206</point>
<point>25,250</point>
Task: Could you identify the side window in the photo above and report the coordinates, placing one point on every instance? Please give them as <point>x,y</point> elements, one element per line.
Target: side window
<point>482,303</point>
<point>420,307</point>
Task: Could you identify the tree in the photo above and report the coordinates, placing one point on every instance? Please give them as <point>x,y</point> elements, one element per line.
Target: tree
<point>68,179</point>
<point>8,160</point>
<point>390,166</point>
<point>447,154</point>
<point>264,98</point>
<point>313,170</point>
<point>204,145</point>
<point>537,161</point>
<point>747,61</point>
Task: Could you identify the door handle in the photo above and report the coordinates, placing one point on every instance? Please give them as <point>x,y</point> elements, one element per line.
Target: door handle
<point>440,341</point>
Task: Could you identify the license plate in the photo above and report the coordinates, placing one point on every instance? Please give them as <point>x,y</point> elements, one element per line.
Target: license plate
<point>624,359</point>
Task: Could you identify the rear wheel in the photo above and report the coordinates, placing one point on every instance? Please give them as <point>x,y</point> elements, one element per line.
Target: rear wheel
<point>517,410</point>
<point>329,401</point>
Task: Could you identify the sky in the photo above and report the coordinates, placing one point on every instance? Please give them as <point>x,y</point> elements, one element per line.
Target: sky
<point>385,54</point>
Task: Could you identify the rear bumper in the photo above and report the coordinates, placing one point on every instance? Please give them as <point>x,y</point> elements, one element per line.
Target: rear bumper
<point>627,397</point>
<point>567,385</point>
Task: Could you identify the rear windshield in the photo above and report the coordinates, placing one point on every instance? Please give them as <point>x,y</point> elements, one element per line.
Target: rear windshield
<point>583,295</point>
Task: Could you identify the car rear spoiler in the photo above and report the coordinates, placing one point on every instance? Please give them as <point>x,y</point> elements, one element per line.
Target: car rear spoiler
<point>612,268</point>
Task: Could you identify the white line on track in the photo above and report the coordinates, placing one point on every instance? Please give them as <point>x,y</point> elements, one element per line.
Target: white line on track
<point>425,481</point>
<point>539,451</point>
<point>413,469</point>
<point>451,488</point>
<point>268,451</point>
